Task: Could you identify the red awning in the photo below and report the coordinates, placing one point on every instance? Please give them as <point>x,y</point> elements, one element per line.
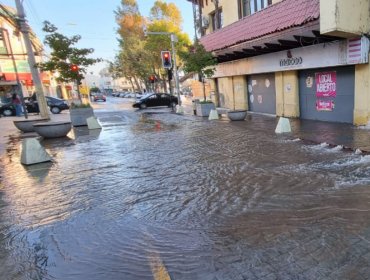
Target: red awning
<point>27,78</point>
<point>278,17</point>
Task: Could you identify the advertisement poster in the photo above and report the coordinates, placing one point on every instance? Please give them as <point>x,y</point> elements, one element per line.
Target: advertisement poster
<point>326,84</point>
<point>324,105</point>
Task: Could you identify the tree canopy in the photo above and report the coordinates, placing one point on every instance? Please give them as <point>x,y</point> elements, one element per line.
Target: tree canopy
<point>63,55</point>
<point>140,55</point>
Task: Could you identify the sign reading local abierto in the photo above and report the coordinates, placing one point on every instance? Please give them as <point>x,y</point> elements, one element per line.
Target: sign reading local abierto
<point>326,84</point>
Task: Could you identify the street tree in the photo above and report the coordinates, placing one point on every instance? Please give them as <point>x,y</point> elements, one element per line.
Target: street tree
<point>139,56</point>
<point>67,60</point>
<point>164,17</point>
<point>132,61</point>
<point>198,60</point>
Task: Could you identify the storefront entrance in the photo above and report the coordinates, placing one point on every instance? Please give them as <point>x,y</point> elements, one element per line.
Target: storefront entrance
<point>262,93</point>
<point>327,94</point>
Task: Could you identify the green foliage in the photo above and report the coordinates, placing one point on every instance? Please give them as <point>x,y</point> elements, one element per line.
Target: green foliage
<point>94,89</point>
<point>139,56</point>
<point>64,54</point>
<point>205,101</point>
<point>198,60</point>
<point>80,105</point>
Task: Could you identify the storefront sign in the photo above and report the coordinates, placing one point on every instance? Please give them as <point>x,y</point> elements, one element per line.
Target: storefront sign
<point>326,84</point>
<point>291,61</point>
<point>337,53</point>
<point>324,105</point>
<point>357,49</point>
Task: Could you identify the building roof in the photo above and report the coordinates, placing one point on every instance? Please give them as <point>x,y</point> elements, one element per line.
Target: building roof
<point>278,17</point>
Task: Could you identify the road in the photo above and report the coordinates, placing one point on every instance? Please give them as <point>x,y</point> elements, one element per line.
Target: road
<point>156,195</point>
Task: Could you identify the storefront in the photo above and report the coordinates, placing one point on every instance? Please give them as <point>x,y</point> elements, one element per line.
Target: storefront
<point>327,94</point>
<point>319,82</point>
<point>262,93</point>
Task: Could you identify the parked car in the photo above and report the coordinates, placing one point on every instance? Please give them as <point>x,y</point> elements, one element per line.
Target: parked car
<point>100,97</point>
<point>56,105</point>
<point>156,99</point>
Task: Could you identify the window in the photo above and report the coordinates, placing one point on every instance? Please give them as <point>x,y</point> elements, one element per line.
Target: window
<point>248,7</point>
<point>220,20</point>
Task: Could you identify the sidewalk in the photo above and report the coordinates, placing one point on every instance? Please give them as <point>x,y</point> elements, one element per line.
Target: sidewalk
<point>7,128</point>
<point>315,132</point>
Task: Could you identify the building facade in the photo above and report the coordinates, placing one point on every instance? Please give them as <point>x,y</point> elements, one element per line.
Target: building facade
<point>13,59</point>
<point>295,58</point>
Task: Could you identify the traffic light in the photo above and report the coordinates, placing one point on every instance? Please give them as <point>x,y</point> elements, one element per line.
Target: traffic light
<point>152,79</point>
<point>74,68</point>
<point>166,59</point>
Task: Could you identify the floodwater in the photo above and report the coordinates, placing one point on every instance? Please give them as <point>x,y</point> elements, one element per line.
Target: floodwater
<point>161,196</point>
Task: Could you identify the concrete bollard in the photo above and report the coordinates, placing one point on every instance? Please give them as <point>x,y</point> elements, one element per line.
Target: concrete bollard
<point>92,123</point>
<point>179,110</point>
<point>33,152</point>
<point>283,126</point>
<point>213,115</point>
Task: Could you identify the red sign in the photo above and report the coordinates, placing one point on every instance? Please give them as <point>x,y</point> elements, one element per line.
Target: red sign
<point>326,84</point>
<point>324,105</point>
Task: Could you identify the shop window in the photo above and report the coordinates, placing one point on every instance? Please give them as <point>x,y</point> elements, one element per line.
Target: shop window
<point>248,7</point>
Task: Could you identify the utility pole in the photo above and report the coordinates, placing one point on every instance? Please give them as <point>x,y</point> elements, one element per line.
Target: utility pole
<point>31,61</point>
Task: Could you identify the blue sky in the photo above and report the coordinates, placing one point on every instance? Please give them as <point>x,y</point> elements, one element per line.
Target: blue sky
<point>92,19</point>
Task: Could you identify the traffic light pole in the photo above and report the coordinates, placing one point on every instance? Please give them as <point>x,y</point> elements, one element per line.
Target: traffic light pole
<point>173,39</point>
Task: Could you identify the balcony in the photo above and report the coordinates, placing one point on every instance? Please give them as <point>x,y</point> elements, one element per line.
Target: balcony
<point>344,18</point>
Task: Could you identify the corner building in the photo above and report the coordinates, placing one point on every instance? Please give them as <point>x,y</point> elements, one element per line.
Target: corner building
<point>307,59</point>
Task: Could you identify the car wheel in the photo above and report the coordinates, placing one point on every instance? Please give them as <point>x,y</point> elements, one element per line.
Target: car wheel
<point>142,106</point>
<point>7,112</point>
<point>173,104</point>
<point>55,110</point>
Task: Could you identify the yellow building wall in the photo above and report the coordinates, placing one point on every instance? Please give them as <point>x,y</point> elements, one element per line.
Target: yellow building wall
<point>197,90</point>
<point>233,89</point>
<point>287,94</point>
<point>225,92</point>
<point>361,114</point>
<point>344,18</point>
<point>229,10</point>
<point>240,93</point>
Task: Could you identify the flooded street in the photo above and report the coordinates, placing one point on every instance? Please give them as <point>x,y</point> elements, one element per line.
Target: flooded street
<point>163,196</point>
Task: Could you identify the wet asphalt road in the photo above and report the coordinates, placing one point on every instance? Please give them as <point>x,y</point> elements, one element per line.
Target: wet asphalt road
<point>155,195</point>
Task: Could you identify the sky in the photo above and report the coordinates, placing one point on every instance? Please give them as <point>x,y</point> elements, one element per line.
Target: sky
<point>94,20</point>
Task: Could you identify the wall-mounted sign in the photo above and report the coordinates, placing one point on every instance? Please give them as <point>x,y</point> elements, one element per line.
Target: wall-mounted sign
<point>309,82</point>
<point>326,84</point>
<point>291,61</point>
<point>325,105</point>
<point>336,53</point>
<point>357,50</point>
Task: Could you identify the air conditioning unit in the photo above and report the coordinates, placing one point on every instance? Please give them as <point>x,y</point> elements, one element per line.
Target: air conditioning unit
<point>205,22</point>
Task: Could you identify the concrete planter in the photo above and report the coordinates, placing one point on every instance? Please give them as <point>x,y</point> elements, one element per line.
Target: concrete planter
<point>238,115</point>
<point>79,115</point>
<point>203,109</point>
<point>52,129</point>
<point>27,125</point>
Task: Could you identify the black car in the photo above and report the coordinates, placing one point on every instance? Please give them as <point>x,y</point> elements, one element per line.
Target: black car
<point>156,99</point>
<point>55,104</point>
